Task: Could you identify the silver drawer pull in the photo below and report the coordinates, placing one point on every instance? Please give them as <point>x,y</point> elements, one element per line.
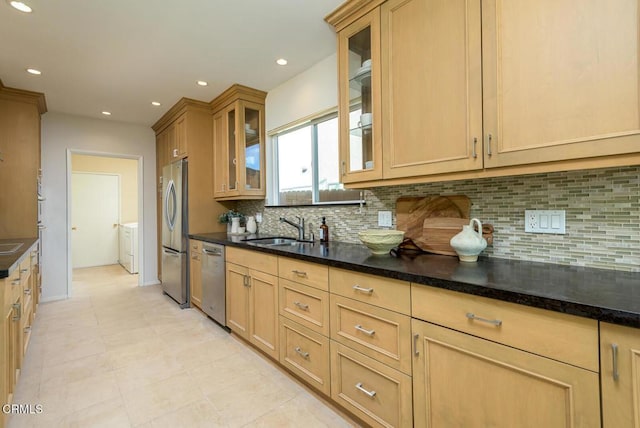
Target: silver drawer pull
<point>416,351</point>
<point>27,330</point>
<point>361,388</point>
<point>362,289</point>
<point>304,355</point>
<point>301,306</point>
<point>15,282</point>
<point>24,270</point>
<point>27,291</point>
<point>300,273</point>
<point>614,352</point>
<point>471,316</point>
<point>364,330</point>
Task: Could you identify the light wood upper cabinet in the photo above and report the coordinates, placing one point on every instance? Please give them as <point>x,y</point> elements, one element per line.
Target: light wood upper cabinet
<point>512,87</point>
<point>431,87</point>
<point>560,81</point>
<point>620,376</point>
<point>20,161</point>
<point>359,92</point>
<point>239,144</point>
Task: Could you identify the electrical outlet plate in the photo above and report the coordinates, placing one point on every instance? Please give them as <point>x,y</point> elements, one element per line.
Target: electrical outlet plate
<point>385,219</point>
<point>544,221</point>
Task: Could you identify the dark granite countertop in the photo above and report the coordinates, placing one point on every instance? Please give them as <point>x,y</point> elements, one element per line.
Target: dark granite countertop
<point>604,295</point>
<point>9,262</point>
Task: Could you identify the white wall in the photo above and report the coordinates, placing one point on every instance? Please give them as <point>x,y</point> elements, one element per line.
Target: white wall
<point>312,91</point>
<point>61,132</point>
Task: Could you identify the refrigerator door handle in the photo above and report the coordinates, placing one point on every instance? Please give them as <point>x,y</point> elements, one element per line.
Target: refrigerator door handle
<point>170,205</point>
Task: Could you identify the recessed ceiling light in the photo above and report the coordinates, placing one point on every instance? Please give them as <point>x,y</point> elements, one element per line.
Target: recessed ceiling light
<point>34,71</point>
<point>22,7</point>
<point>202,83</point>
<point>106,113</point>
<point>155,103</point>
<point>282,61</point>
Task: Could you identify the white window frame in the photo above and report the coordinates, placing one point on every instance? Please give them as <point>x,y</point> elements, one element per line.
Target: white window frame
<point>273,187</point>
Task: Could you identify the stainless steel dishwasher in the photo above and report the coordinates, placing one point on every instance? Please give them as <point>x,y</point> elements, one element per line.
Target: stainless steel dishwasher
<point>213,282</point>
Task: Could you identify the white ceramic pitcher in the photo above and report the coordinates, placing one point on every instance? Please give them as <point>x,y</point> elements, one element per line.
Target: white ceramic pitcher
<point>469,243</point>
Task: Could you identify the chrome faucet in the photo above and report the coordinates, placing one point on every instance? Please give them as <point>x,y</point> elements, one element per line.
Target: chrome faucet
<point>299,226</point>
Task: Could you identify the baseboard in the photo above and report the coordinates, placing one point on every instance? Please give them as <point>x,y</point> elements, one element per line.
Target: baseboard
<point>152,282</point>
<point>53,298</point>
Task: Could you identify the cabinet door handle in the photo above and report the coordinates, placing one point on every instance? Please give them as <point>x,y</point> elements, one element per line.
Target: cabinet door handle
<point>304,355</point>
<point>361,388</point>
<point>18,308</point>
<point>362,289</point>
<point>489,145</point>
<point>247,281</point>
<point>175,153</point>
<point>300,273</point>
<point>473,317</point>
<point>614,352</point>
<point>301,306</point>
<point>416,351</point>
<point>224,187</point>
<point>364,330</point>
<point>475,143</point>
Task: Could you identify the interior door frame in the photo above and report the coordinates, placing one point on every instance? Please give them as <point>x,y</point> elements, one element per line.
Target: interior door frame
<point>70,153</point>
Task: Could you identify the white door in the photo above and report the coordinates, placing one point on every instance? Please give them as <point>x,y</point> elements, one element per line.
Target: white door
<point>95,214</point>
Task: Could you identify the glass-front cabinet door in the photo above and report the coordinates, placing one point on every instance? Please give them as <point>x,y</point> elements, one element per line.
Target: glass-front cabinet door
<point>253,148</point>
<point>359,105</point>
<point>239,164</point>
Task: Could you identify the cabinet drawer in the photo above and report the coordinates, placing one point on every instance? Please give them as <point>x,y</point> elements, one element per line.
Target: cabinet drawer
<point>566,338</point>
<point>255,260</point>
<point>311,274</point>
<point>378,394</point>
<point>388,293</point>
<point>305,305</point>
<point>376,332</point>
<point>25,271</point>
<point>195,246</point>
<point>306,353</point>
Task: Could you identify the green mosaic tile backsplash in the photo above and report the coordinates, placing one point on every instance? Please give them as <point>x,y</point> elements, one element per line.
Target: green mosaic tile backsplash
<point>602,215</point>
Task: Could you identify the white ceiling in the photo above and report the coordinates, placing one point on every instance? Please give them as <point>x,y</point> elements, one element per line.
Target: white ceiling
<point>119,55</point>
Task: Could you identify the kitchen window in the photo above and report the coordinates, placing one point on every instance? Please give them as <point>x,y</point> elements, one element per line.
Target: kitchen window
<point>306,165</point>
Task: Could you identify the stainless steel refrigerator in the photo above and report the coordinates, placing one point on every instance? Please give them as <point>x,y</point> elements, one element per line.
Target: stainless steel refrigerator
<point>175,278</point>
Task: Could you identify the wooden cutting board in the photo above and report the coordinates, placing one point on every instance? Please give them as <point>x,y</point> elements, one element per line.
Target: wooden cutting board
<point>412,211</point>
<point>437,232</point>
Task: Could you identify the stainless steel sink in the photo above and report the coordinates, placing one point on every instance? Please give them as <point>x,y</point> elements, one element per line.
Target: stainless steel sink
<point>277,241</point>
<point>11,248</point>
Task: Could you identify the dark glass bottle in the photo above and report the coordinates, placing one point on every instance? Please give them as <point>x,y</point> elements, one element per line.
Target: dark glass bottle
<point>324,231</point>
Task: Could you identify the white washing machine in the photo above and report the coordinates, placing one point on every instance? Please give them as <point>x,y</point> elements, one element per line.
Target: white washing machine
<point>129,247</point>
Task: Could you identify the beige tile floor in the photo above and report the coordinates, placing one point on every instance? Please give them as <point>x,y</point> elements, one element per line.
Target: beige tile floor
<point>119,355</point>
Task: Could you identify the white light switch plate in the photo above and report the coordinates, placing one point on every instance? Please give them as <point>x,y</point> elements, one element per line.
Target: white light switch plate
<point>385,219</point>
<point>544,221</point>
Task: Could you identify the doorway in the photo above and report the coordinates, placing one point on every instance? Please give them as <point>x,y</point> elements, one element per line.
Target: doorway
<point>95,216</point>
<point>104,193</point>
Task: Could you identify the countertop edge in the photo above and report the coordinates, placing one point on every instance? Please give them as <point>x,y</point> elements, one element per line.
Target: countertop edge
<point>18,257</point>
<point>599,313</point>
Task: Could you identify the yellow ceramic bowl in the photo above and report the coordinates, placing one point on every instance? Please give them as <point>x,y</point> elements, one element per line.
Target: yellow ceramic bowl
<point>381,241</point>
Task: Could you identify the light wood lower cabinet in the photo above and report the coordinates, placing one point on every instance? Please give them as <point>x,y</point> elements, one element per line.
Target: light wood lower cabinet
<point>464,381</point>
<point>252,299</point>
<point>378,333</point>
<point>373,391</point>
<point>306,353</point>
<point>195,272</point>
<point>620,376</point>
